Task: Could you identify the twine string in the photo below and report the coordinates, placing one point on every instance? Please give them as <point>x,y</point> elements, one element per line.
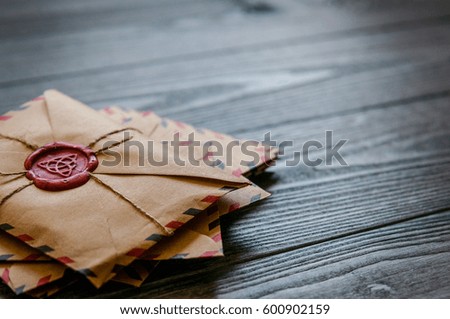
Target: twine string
<point>30,146</point>
<point>12,174</point>
<point>164,230</point>
<point>153,130</point>
<point>113,145</point>
<point>91,145</point>
<point>4,199</point>
<point>153,219</point>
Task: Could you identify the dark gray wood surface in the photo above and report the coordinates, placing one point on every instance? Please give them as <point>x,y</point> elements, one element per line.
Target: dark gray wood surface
<point>374,72</point>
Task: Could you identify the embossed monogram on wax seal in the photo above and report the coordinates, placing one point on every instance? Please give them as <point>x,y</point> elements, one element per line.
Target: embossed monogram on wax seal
<point>60,166</point>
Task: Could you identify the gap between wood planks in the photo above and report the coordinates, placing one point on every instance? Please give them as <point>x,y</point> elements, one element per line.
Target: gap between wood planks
<point>383,105</point>
<point>412,164</point>
<point>423,208</point>
<point>342,235</point>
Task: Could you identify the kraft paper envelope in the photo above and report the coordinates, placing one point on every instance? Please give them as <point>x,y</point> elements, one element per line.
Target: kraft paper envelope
<point>23,276</point>
<point>121,207</point>
<point>195,236</point>
<point>47,278</point>
<point>200,237</point>
<point>33,276</point>
<point>144,121</point>
<point>202,234</point>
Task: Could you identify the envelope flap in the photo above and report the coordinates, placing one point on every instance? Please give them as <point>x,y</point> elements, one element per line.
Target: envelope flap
<point>140,156</point>
<point>24,277</point>
<point>74,122</point>
<point>29,124</point>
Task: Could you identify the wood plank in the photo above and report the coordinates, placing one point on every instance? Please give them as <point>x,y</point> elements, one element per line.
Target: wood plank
<point>396,134</point>
<point>345,73</point>
<point>135,39</point>
<point>378,88</point>
<point>32,19</point>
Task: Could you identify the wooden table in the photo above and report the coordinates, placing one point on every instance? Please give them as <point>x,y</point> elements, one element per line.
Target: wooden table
<point>376,73</point>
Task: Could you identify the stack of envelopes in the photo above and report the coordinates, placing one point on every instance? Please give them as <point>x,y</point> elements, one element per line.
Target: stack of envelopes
<point>106,194</point>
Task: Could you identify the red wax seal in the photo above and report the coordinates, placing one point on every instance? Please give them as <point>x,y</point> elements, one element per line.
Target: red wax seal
<point>59,166</point>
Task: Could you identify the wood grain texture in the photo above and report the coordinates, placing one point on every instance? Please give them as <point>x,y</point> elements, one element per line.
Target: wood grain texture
<point>375,73</point>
